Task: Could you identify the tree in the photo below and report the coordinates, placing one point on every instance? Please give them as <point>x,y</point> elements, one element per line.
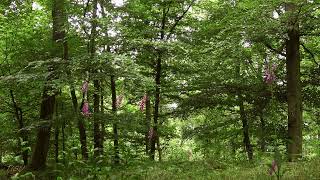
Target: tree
<point>48,98</point>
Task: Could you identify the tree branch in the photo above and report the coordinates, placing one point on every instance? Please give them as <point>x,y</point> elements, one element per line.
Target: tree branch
<point>179,18</point>
<point>316,34</point>
<point>311,53</point>
<point>163,22</point>
<point>279,51</point>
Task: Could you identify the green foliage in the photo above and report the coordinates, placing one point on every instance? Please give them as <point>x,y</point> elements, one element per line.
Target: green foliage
<point>213,55</point>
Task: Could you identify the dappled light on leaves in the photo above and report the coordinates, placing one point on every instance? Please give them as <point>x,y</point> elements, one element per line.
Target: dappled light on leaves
<point>169,89</point>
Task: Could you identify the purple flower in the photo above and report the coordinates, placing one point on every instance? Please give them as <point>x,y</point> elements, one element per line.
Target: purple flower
<point>142,102</point>
<point>85,86</point>
<point>269,75</point>
<point>85,109</point>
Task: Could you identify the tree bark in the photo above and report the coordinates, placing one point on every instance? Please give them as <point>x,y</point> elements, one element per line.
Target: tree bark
<point>98,148</point>
<point>233,146</point>
<point>103,130</point>
<point>245,129</point>
<point>56,144</point>
<point>293,86</point>
<point>156,106</point>
<point>243,117</point>
<point>63,142</point>
<point>158,72</point>
<point>148,123</point>
<point>81,125</point>
<point>40,152</point>
<point>115,126</point>
<point>96,122</point>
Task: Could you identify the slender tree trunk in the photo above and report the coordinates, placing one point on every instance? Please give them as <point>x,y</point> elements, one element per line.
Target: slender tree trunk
<point>56,135</point>
<point>81,125</point>
<point>103,130</point>
<point>244,120</point>
<point>148,123</point>
<point>158,72</point>
<point>96,121</point>
<point>24,133</point>
<point>63,142</point>
<point>21,132</point>
<point>245,129</point>
<point>40,152</point>
<point>293,87</point>
<point>56,144</point>
<point>159,148</point>
<point>156,106</point>
<point>115,128</point>
<point>96,98</point>
<point>233,146</point>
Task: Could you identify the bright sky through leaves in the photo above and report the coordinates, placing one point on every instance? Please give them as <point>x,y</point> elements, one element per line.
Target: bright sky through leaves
<point>117,2</point>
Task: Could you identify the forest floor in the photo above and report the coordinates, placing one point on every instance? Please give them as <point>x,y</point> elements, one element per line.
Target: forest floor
<point>172,170</point>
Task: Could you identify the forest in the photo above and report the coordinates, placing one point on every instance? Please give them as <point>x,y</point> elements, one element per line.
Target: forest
<point>159,89</point>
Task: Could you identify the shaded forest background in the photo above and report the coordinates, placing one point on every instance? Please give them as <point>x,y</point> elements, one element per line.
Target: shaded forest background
<point>150,89</point>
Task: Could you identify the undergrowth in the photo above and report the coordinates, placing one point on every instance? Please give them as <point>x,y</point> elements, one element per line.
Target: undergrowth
<point>172,170</point>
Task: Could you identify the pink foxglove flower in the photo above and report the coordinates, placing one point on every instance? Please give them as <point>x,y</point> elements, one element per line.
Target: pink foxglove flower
<point>119,101</point>
<point>85,86</point>
<point>85,109</point>
<point>273,168</point>
<point>142,102</point>
<point>269,74</point>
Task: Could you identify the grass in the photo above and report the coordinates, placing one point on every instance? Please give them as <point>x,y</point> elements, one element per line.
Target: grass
<point>184,170</point>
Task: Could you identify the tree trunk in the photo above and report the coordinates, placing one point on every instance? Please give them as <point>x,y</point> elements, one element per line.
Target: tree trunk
<point>98,149</point>
<point>293,87</point>
<point>103,130</point>
<point>56,144</point>
<point>158,72</point>
<point>81,126</point>
<point>21,131</point>
<point>63,142</point>
<point>159,147</point>
<point>96,121</point>
<point>245,129</point>
<point>243,117</point>
<point>148,123</point>
<point>115,128</point>
<point>40,152</point>
<point>233,146</point>
<point>156,106</point>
